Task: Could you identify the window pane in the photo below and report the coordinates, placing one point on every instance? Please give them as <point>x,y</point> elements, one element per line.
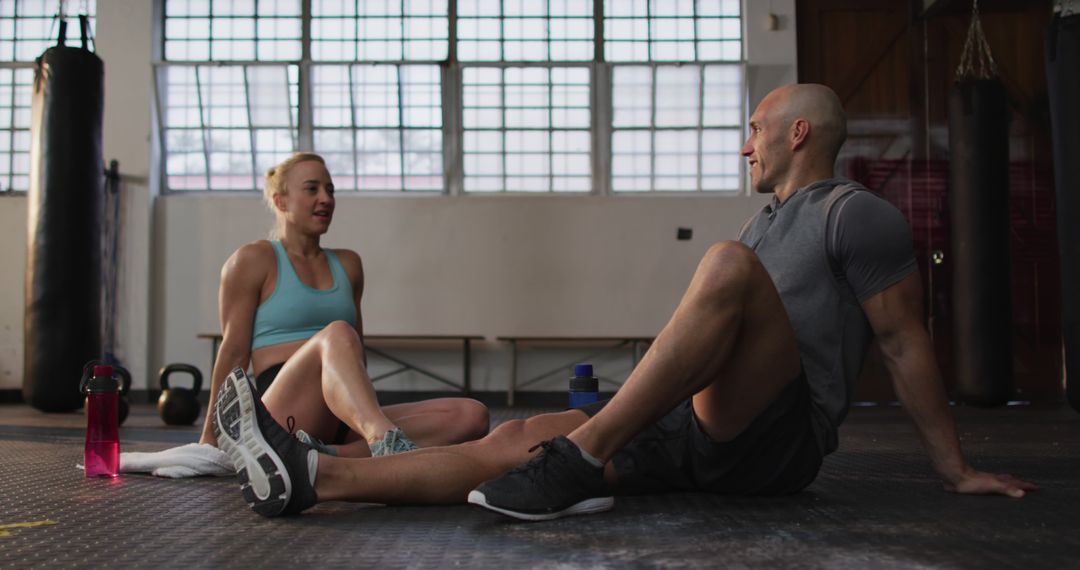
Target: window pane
<point>378,160</point>
<point>525,30</point>
<point>678,96</point>
<point>378,119</point>
<point>236,121</point>
<point>672,30</point>
<point>386,119</point>
<point>15,102</point>
<point>632,96</point>
<point>379,31</point>
<point>723,97</point>
<point>337,147</point>
<point>231,30</point>
<point>538,118</point>
<point>720,159</point>
<point>661,139</point>
<point>27,29</point>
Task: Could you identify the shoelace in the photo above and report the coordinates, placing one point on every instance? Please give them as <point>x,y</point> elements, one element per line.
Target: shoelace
<point>546,444</point>
<point>535,465</point>
<point>306,439</point>
<point>391,441</point>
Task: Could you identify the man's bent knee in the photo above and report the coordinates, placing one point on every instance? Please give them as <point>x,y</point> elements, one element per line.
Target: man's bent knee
<point>730,251</point>
<point>729,261</point>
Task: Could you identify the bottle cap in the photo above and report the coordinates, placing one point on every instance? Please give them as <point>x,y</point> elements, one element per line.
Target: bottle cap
<point>583,370</point>
<point>103,370</point>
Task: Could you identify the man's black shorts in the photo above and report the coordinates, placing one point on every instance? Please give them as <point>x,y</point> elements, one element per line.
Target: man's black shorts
<point>778,453</point>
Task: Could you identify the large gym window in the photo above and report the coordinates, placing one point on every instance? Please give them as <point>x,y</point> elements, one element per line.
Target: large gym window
<point>27,29</point>
<point>558,96</point>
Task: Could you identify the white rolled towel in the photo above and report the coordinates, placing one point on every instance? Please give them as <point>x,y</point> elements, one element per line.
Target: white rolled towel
<point>191,460</point>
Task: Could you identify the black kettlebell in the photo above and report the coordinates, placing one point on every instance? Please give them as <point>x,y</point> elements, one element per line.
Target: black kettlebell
<point>179,406</point>
<point>122,406</point>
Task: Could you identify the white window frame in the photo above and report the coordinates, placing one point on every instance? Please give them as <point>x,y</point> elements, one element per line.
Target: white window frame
<point>14,65</point>
<point>601,111</point>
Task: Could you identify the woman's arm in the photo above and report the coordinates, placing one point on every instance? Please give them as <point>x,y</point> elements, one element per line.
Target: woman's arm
<point>242,279</point>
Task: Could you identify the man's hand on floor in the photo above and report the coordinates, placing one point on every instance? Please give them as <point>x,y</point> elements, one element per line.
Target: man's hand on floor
<point>973,482</point>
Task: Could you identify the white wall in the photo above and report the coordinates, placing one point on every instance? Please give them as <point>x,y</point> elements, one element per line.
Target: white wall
<point>487,265</point>
<point>770,53</point>
<point>124,40</point>
<point>13,288</point>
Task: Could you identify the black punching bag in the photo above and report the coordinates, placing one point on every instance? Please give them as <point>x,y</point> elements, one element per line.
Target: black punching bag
<point>1063,82</point>
<point>979,200</point>
<point>62,327</point>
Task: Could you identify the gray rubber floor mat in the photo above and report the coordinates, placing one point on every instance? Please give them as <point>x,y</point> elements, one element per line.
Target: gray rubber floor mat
<point>876,504</point>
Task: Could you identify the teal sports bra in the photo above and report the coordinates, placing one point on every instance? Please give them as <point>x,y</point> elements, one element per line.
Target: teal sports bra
<point>295,311</point>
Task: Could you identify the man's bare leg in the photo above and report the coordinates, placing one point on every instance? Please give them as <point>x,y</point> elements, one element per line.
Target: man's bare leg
<point>729,345</point>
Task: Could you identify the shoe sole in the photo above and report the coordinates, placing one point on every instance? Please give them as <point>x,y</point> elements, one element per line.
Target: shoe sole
<point>586,507</point>
<point>264,481</point>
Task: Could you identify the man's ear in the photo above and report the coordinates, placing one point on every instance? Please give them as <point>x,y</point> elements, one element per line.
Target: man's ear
<point>800,133</point>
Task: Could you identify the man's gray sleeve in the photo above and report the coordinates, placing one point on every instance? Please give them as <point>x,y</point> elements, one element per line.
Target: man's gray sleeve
<point>870,242</point>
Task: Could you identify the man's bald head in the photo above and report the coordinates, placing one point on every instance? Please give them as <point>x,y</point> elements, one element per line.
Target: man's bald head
<point>819,106</point>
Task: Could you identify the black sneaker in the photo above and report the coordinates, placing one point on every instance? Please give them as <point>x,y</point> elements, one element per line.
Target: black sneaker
<point>276,471</point>
<point>558,482</point>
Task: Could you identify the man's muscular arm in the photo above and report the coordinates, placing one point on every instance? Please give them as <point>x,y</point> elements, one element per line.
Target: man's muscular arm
<point>896,317</point>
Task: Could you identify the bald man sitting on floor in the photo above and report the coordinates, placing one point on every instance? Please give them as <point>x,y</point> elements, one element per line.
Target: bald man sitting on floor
<point>741,393</point>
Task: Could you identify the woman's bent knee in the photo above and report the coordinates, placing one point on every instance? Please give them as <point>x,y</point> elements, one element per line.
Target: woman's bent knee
<point>339,335</point>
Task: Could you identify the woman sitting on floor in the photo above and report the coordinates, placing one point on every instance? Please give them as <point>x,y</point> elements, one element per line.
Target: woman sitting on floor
<point>291,310</point>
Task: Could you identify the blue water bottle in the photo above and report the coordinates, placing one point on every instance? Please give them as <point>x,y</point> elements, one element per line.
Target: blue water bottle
<point>584,387</point>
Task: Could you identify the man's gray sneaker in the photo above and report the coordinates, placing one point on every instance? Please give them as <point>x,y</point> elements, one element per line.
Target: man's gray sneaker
<point>558,482</point>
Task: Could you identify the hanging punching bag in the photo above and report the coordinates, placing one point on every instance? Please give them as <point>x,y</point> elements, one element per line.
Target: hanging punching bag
<point>1063,82</point>
<point>62,326</point>
<point>979,201</point>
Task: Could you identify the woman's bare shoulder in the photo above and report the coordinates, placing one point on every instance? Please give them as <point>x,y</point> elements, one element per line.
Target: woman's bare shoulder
<point>348,257</point>
<point>350,262</point>
<point>251,258</point>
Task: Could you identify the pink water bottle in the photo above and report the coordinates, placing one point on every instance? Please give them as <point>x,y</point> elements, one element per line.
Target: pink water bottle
<point>102,426</point>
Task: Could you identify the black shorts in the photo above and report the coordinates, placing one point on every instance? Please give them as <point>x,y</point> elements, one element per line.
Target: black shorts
<point>262,384</point>
<point>778,453</point>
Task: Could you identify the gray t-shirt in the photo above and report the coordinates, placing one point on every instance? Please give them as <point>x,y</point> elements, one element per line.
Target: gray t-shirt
<point>828,248</point>
<point>869,244</point>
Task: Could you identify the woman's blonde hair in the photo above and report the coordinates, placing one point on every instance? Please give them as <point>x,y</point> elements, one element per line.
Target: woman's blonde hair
<point>275,183</point>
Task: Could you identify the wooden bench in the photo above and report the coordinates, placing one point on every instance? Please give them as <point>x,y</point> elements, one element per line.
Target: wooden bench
<point>465,385</point>
<point>606,344</point>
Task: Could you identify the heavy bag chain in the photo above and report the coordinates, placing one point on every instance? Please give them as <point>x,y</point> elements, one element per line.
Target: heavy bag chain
<point>976,52</point>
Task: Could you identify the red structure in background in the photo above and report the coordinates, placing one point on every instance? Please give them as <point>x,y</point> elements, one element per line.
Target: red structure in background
<point>920,190</point>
